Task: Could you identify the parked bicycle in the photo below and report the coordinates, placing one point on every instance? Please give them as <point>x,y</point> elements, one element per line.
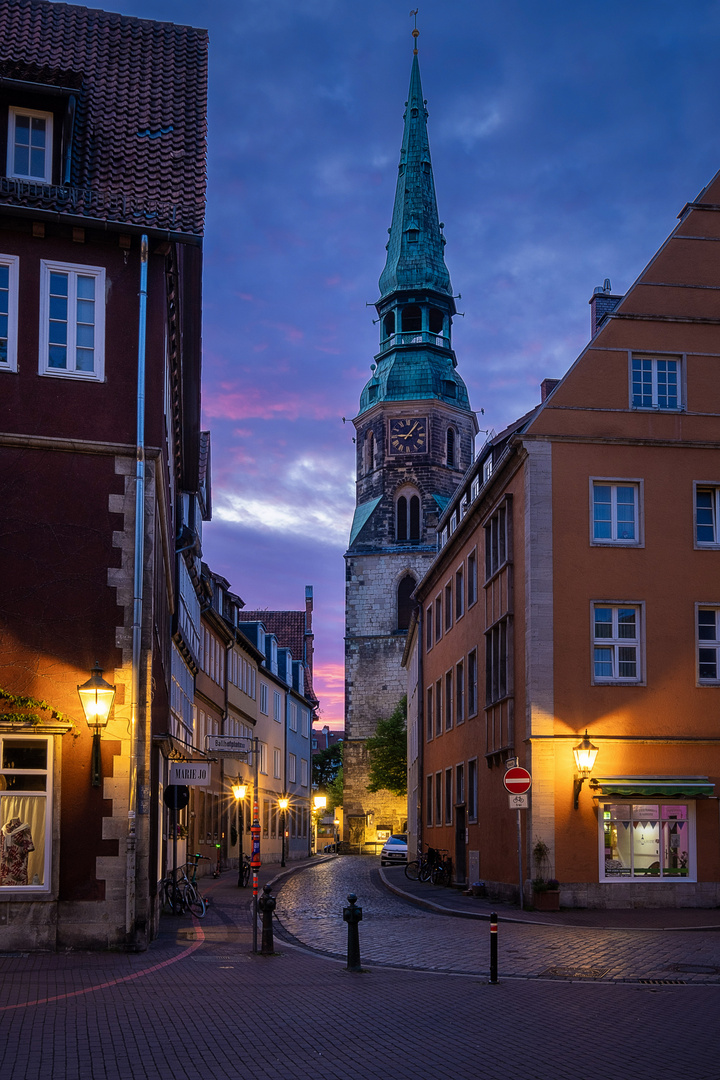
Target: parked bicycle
<point>442,870</point>
<point>180,893</point>
<point>246,871</point>
<point>422,868</point>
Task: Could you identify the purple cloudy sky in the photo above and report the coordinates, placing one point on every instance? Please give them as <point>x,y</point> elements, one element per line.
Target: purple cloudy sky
<point>565,138</point>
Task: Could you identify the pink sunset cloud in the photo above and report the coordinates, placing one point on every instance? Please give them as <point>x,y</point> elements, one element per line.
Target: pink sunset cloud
<point>329,683</point>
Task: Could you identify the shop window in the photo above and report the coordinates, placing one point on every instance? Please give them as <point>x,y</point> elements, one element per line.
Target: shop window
<point>647,841</point>
<point>25,812</point>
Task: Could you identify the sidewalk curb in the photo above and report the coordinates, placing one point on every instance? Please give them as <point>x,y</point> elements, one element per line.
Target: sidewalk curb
<point>455,913</point>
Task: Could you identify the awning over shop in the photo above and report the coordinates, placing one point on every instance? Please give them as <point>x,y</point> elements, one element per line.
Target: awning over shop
<point>657,787</point>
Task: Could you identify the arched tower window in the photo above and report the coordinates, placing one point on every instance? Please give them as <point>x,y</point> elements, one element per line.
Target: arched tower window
<point>405,603</point>
<point>411,318</point>
<point>450,447</point>
<point>407,518</point>
<point>389,323</point>
<point>369,451</point>
<point>435,320</point>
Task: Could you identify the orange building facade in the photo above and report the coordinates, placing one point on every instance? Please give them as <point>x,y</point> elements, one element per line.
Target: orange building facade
<point>577,587</point>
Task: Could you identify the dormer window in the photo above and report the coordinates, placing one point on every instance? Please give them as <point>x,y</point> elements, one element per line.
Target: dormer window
<point>413,236</point>
<point>30,144</point>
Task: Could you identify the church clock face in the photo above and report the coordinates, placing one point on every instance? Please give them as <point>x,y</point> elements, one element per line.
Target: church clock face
<point>408,435</point>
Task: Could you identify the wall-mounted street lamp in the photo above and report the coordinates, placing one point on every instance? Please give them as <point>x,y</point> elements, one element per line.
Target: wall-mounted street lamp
<point>96,697</point>
<point>239,790</point>
<point>585,754</point>
<point>283,803</point>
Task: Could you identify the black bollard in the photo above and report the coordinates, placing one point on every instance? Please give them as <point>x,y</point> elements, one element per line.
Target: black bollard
<point>493,947</point>
<point>266,904</point>
<point>352,916</point>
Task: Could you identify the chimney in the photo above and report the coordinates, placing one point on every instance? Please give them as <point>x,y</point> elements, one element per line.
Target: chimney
<point>546,388</point>
<point>602,302</point>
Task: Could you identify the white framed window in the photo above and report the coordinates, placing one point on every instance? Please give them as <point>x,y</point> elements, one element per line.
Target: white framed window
<point>707,508</point>
<point>615,512</point>
<point>472,578</point>
<point>263,763</point>
<point>293,716</point>
<point>305,721</point>
<point>264,698</point>
<point>459,593</point>
<point>708,644</point>
<point>472,790</point>
<point>277,710</point>
<point>650,841</point>
<point>448,796</point>
<point>429,800</point>
<point>472,677</point>
<point>655,382</point>
<point>9,266</point>
<point>277,761</point>
<point>616,643</point>
<point>292,768</point>
<point>438,798</point>
<point>429,714</point>
<point>30,143</point>
<point>25,812</point>
<point>303,772</point>
<point>72,320</point>
<point>459,693</point>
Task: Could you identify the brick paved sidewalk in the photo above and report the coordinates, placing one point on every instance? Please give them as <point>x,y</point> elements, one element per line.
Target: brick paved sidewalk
<point>454,902</point>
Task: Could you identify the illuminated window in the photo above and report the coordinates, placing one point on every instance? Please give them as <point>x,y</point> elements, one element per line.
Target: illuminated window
<point>648,841</point>
<point>616,643</point>
<point>25,812</point>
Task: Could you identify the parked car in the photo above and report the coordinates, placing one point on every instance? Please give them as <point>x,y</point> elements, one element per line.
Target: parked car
<point>394,849</point>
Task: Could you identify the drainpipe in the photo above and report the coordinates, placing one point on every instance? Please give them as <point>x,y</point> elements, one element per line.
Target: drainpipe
<point>420,801</point>
<point>139,562</point>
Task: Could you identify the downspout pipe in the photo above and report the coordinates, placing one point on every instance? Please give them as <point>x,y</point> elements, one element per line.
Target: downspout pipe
<point>139,565</point>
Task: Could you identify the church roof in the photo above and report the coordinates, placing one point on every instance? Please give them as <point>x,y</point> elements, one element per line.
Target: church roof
<point>415,375</point>
<point>415,250</point>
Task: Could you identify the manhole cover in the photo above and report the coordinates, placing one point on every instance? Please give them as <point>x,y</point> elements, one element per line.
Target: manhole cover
<point>574,973</point>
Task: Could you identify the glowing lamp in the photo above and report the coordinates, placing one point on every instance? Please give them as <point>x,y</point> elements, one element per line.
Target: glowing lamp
<point>585,754</point>
<point>96,697</point>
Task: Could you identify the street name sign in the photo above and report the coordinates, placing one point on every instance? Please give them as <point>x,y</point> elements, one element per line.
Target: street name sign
<point>192,773</point>
<point>517,780</point>
<point>518,802</point>
<point>227,744</point>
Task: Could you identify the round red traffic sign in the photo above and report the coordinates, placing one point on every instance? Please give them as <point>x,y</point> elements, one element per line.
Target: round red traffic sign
<point>517,780</point>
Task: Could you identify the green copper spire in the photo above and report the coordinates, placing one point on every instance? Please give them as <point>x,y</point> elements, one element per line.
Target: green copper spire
<point>415,252</point>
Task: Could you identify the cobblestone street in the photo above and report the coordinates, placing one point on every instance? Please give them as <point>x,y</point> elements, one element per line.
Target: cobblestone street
<point>397,933</point>
<point>199,1004</point>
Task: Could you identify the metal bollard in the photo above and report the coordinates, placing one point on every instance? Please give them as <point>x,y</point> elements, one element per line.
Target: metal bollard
<point>352,916</point>
<point>266,904</point>
<point>493,947</point>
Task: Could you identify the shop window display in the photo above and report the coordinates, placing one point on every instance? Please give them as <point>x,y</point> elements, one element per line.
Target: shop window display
<point>24,781</point>
<point>646,841</point>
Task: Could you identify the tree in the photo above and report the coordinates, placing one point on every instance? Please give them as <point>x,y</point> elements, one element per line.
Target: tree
<point>388,753</point>
<point>335,791</point>
<point>326,764</point>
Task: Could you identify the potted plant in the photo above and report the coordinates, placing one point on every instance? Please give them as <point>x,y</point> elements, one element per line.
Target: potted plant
<point>546,894</point>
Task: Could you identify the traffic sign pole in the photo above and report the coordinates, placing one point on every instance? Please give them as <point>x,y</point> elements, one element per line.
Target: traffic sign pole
<point>520,868</point>
<point>518,781</point>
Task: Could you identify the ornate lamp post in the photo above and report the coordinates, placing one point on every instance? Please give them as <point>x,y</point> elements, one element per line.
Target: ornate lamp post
<point>96,697</point>
<point>283,803</point>
<point>239,790</point>
<point>585,754</point>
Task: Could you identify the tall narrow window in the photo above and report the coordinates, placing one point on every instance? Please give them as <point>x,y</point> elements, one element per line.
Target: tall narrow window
<point>438,798</point>
<point>72,320</point>
<point>448,700</point>
<point>472,790</point>
<point>448,796</point>
<point>30,145</point>
<point>471,578</point>
<point>459,692</point>
<point>460,784</point>
<point>414,531</point>
<point>429,800</point>
<point>389,324</point>
<point>708,644</point>
<point>369,451</point>
<point>401,518</point>
<point>496,545</point>
<point>448,606</point>
<point>438,618</point>
<point>496,657</point>
<point>8,312</point>
<point>429,714</point>
<point>707,503</point>
<point>472,672</point>
<point>405,603</point>
<point>438,707</point>
<point>450,448</point>
<point>459,593</point>
<point>428,628</point>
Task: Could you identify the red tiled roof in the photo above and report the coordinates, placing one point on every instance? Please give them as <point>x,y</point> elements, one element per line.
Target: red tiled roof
<point>139,141</point>
<point>289,629</point>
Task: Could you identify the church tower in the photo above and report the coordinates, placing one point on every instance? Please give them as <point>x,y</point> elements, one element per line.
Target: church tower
<point>415,439</point>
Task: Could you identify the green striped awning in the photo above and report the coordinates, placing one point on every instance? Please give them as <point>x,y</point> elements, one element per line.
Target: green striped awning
<point>658,787</point>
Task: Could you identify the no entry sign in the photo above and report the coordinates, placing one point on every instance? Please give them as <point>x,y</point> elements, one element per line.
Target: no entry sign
<point>517,780</point>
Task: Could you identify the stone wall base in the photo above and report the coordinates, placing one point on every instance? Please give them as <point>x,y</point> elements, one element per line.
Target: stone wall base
<point>640,894</point>
<point>51,926</point>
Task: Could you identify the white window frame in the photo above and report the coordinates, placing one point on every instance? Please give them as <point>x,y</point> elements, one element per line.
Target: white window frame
<point>614,642</point>
<point>277,707</point>
<point>655,359</point>
<point>714,488</point>
<point>73,271</point>
<point>292,768</point>
<point>648,878</point>
<point>263,764</point>
<point>305,722</point>
<point>292,722</point>
<point>264,706</point>
<point>277,763</point>
<point>45,887</point>
<point>471,789</point>
<point>614,483</point>
<point>36,114</point>
<point>707,643</point>
<point>303,772</point>
<point>12,262</point>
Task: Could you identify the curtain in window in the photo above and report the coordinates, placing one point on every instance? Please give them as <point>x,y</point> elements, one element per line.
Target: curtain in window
<point>30,809</point>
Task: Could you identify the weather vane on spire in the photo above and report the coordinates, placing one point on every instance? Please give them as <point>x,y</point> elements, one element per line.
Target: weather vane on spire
<point>416,32</point>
